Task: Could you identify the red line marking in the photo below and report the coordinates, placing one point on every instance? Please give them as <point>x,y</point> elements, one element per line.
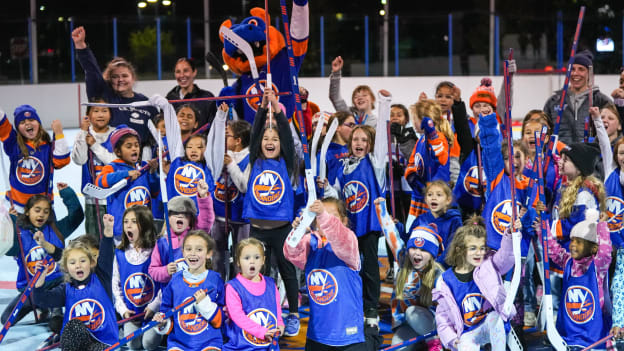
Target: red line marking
<point>7,285</point>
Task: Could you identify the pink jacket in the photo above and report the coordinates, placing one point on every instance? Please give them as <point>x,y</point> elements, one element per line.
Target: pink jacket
<point>487,276</point>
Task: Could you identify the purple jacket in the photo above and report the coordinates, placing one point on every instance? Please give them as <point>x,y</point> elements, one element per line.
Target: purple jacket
<point>488,278</point>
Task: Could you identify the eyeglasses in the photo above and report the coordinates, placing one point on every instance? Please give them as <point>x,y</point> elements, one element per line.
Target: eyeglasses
<point>349,125</point>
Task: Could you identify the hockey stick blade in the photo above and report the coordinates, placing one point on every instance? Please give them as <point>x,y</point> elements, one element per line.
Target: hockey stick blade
<point>296,234</point>
<point>102,193</point>
<point>241,45</point>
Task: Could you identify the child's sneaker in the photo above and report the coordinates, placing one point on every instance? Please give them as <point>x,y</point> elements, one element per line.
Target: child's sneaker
<point>292,325</point>
<point>530,319</point>
<point>434,345</point>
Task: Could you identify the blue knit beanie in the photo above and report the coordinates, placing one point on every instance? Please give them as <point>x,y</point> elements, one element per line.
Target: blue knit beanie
<point>23,112</point>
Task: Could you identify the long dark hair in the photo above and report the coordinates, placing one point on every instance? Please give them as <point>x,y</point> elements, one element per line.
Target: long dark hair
<point>145,222</point>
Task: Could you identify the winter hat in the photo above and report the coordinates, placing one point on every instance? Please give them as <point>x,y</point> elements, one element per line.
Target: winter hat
<point>484,93</point>
<point>23,112</point>
<point>182,204</point>
<point>426,238</point>
<point>587,229</point>
<point>583,156</point>
<point>122,130</point>
<point>583,58</point>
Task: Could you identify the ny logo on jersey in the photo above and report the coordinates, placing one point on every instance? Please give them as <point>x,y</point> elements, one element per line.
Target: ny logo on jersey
<point>90,312</point>
<point>501,216</point>
<point>356,196</point>
<point>579,304</point>
<point>191,321</point>
<point>254,102</point>
<point>219,192</point>
<point>268,188</point>
<point>29,171</point>
<point>185,179</point>
<point>472,307</point>
<point>138,195</point>
<point>35,255</point>
<point>615,211</point>
<point>471,181</point>
<point>266,319</point>
<point>322,286</point>
<point>139,289</point>
<point>419,165</point>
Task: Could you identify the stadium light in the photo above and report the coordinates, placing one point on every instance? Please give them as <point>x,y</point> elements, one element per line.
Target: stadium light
<point>142,4</point>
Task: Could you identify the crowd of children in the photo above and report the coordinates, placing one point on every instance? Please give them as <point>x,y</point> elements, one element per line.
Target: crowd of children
<point>161,235</point>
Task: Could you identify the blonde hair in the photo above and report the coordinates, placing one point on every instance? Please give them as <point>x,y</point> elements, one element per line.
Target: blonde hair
<point>427,279</point>
<point>430,108</point>
<point>75,245</point>
<point>473,226</point>
<point>116,63</point>
<point>568,197</point>
<point>370,133</point>
<point>247,242</point>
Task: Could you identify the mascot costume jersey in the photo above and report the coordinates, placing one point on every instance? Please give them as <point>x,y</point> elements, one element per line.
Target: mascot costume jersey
<point>252,30</point>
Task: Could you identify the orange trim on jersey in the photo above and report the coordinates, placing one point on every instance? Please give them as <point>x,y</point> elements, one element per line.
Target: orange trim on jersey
<point>101,180</point>
<point>60,162</point>
<point>217,319</point>
<point>20,198</point>
<point>559,231</point>
<point>455,149</point>
<point>299,47</point>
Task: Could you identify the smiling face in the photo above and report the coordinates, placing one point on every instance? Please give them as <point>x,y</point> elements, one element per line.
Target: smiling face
<point>29,128</point>
<point>580,248</point>
<point>38,214</point>
<point>419,258</point>
<point>611,123</point>
<point>363,100</point>
<point>578,78</point>
<point>195,149</point>
<point>187,120</point>
<point>78,264</point>
<point>131,227</point>
<point>99,118</point>
<point>397,115</point>
<point>185,75</point>
<point>250,262</point>
<point>360,145</point>
<point>196,253</point>
<point>122,81</point>
<point>444,98</point>
<point>568,168</point>
<point>437,200</point>
<point>528,138</point>
<point>179,222</point>
<point>129,150</point>
<point>270,144</point>
<point>475,250</point>
<point>481,108</point>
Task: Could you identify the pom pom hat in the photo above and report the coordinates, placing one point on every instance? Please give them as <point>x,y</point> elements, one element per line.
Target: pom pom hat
<point>24,112</point>
<point>583,156</point>
<point>587,229</point>
<point>122,130</point>
<point>484,93</point>
<point>426,238</point>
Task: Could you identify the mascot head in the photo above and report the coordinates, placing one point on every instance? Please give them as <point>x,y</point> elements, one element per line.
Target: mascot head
<point>252,30</point>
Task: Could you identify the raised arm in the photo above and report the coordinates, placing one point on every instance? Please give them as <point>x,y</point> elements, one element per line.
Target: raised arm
<point>334,85</point>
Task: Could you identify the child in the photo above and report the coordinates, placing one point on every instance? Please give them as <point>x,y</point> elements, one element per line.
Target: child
<point>187,120</point>
<point>361,180</point>
<point>253,301</point>
<point>32,153</point>
<point>183,218</point>
<point>197,326</point>
<point>269,207</point>
<point>448,96</point>
<point>470,294</point>
<point>362,98</point>
<point>42,237</point>
<point>92,150</point>
<point>404,139</point>
<point>89,322</point>
<point>126,145</point>
<point>584,310</point>
<point>236,161</point>
<point>412,306</point>
<point>133,289</point>
<point>331,261</point>
<point>337,150</point>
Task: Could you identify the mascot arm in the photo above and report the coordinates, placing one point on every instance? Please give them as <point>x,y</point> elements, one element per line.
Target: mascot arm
<point>300,29</point>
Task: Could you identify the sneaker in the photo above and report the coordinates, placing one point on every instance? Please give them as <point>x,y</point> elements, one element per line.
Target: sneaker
<point>292,325</point>
<point>530,319</point>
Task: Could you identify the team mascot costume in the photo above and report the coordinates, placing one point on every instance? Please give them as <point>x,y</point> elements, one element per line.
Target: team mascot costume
<point>252,30</point>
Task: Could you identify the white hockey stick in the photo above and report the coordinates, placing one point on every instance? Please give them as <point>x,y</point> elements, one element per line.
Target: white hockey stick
<point>241,45</point>
<point>133,104</point>
<point>315,139</point>
<point>322,173</point>
<point>102,193</point>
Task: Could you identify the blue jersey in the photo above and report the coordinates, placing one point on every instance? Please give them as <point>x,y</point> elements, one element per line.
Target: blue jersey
<point>34,253</point>
<point>261,309</point>
<point>191,330</point>
<point>137,287</point>
<point>97,165</point>
<point>236,198</point>
<point>335,291</point>
<point>615,208</point>
<point>467,192</point>
<point>94,308</point>
<point>270,195</point>
<point>359,190</point>
<point>335,156</point>
<point>183,177</point>
<point>162,245</point>
<point>580,319</point>
<point>472,304</point>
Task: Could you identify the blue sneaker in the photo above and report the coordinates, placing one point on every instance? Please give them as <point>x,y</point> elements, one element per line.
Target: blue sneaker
<point>292,325</point>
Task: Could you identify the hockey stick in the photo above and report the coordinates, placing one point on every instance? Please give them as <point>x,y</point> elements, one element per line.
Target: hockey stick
<point>590,100</point>
<point>315,138</point>
<point>97,201</point>
<point>214,98</point>
<point>599,342</point>
<point>243,46</point>
<point>214,62</point>
<point>410,341</point>
<point>165,198</point>
<point>390,171</point>
<point>547,307</point>
<point>275,342</point>
<point>322,173</point>
<point>152,324</point>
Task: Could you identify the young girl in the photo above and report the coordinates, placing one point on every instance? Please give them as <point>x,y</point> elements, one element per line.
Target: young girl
<point>404,139</point>
<point>89,322</point>
<point>362,98</point>
<point>187,120</point>
<point>236,169</point>
<point>33,154</point>
<point>269,205</point>
<point>363,178</point>
<point>126,145</point>
<point>197,326</point>
<point>183,217</point>
<point>470,294</point>
<point>92,150</point>
<point>331,261</point>
<point>412,306</point>
<point>42,237</point>
<point>337,150</point>
<point>252,300</point>
<point>448,96</point>
<point>134,290</point>
<point>585,308</point>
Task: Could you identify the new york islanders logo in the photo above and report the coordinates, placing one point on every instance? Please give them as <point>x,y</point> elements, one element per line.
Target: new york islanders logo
<point>419,165</point>
<point>266,319</point>
<point>219,192</point>
<point>579,304</point>
<point>90,312</point>
<point>139,195</point>
<point>268,187</point>
<point>472,307</point>
<point>139,289</point>
<point>254,102</point>
<point>501,216</point>
<point>615,211</point>
<point>356,196</point>
<point>35,255</point>
<point>419,242</point>
<point>29,171</point>
<point>190,321</point>
<point>322,286</point>
<point>471,181</point>
<point>181,264</point>
<point>185,179</point>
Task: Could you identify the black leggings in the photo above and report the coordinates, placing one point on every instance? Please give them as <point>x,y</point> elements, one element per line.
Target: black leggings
<point>273,240</point>
<point>76,337</point>
<point>368,245</point>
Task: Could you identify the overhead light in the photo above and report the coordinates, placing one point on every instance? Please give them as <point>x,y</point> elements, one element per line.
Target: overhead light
<point>41,8</point>
<point>166,2</point>
<point>226,67</point>
<point>152,1</point>
<point>61,19</point>
<point>382,12</point>
<point>142,4</point>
